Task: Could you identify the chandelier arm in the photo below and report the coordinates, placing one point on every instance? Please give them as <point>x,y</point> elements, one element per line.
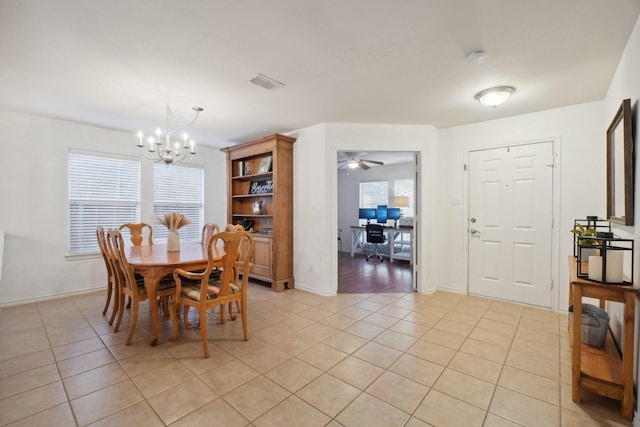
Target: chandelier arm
<point>154,157</point>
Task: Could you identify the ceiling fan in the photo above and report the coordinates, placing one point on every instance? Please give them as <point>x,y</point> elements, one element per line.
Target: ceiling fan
<point>354,161</point>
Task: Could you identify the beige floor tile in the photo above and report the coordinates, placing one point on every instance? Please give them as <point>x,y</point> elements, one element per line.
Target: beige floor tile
<point>345,342</point>
<point>444,338</point>
<point>378,354</point>
<point>485,350</point>
<point>493,420</point>
<point>62,336</point>
<point>393,311</point>
<point>77,348</point>
<point>328,394</point>
<point>106,401</point>
<point>366,410</point>
<point>491,337</point>
<point>293,343</point>
<point>140,414</point>
<point>523,409</point>
<point>463,317</point>
<point>536,349</point>
<point>416,422</point>
<point>369,305</point>
<point>424,319</point>
<point>357,372</point>
<point>294,374</point>
<point>256,397</point>
<point>506,308</point>
<point>94,380</point>
<point>322,356</point>
<point>438,409</point>
<point>153,382</point>
<point>26,362</point>
<point>85,362</point>
<point>593,405</point>
<point>465,387</point>
<point>455,327</point>
<point>497,326</point>
<point>319,331</point>
<point>504,318</point>
<point>178,401</point>
<point>31,402</point>
<point>218,410</point>
<point>476,367</point>
<point>415,330</point>
<point>533,385</point>
<point>355,312</point>
<point>364,330</point>
<point>229,376</point>
<point>380,320</point>
<point>28,380</point>
<point>145,362</point>
<point>315,313</point>
<point>267,358</point>
<point>535,365</point>
<point>395,340</point>
<point>417,369</point>
<point>398,391</point>
<point>59,416</point>
<point>292,412</point>
<point>432,352</point>
<point>338,321</point>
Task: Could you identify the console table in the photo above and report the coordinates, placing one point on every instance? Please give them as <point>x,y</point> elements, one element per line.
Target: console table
<point>400,238</point>
<point>602,370</point>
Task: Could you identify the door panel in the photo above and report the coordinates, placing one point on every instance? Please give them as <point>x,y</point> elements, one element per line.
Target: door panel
<point>510,211</point>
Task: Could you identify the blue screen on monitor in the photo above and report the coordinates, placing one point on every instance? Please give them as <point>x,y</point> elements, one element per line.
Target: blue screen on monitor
<point>381,216</point>
<point>366,213</point>
<point>393,213</point>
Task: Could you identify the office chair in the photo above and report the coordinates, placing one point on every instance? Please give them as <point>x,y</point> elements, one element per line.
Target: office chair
<point>375,235</point>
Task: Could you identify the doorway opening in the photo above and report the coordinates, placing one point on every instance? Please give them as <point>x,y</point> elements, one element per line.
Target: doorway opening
<point>380,188</point>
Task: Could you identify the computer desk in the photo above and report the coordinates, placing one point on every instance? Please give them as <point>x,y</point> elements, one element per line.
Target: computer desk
<point>401,237</point>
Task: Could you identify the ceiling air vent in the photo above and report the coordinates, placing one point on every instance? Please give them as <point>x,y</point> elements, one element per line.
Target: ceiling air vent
<point>266,82</point>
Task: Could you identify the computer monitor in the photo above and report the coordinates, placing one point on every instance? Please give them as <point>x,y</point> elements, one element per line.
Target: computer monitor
<point>394,214</point>
<point>381,214</point>
<point>367,213</point>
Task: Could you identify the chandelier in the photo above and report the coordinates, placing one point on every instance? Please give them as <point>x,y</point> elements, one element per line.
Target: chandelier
<point>161,147</point>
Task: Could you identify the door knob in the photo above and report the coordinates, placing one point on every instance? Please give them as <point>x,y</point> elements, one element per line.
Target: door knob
<point>473,232</point>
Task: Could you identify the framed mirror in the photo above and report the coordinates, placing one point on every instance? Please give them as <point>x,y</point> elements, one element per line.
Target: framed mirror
<point>620,167</point>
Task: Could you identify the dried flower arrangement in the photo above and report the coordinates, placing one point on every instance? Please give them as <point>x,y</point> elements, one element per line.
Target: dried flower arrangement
<point>174,220</point>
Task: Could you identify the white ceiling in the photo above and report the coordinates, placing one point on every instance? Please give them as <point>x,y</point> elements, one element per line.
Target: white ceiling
<point>117,63</point>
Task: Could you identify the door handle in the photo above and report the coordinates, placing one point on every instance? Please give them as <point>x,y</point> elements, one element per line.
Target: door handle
<point>473,231</point>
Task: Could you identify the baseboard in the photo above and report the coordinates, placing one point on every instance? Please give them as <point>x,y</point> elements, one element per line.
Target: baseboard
<point>52,297</point>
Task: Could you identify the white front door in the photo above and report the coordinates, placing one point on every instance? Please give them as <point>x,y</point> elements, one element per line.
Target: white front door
<point>510,223</point>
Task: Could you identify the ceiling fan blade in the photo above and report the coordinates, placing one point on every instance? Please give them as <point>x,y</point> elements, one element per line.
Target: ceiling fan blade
<point>363,165</point>
<point>375,162</point>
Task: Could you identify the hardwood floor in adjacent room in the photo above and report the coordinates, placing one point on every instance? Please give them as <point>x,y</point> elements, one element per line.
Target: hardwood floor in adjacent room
<point>357,275</point>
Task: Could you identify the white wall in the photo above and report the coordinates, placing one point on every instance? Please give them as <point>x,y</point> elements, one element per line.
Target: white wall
<point>626,84</point>
<point>580,173</point>
<point>316,189</point>
<point>34,213</point>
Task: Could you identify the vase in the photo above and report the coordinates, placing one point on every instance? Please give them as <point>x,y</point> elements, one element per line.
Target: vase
<point>173,241</point>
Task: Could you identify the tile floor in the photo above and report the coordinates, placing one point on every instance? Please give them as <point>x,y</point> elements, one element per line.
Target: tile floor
<point>352,360</point>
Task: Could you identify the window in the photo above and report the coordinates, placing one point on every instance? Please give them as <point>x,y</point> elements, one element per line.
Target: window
<point>103,190</point>
<point>404,187</point>
<point>373,194</point>
<point>179,189</point>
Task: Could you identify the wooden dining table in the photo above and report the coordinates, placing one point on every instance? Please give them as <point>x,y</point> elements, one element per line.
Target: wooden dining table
<point>153,262</point>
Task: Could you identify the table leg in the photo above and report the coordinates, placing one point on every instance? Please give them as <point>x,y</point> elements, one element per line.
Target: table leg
<point>577,343</point>
<point>151,284</point>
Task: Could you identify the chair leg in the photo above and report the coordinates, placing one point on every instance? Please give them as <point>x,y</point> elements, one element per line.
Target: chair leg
<point>243,315</point>
<point>116,305</point>
<point>233,316</point>
<point>203,331</point>
<point>134,320</point>
<point>187,324</point>
<point>120,312</point>
<point>223,318</point>
<point>174,312</point>
<point>106,304</point>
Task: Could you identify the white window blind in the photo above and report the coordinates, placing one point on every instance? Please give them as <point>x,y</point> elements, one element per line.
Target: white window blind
<point>373,194</point>
<point>404,187</point>
<point>103,191</point>
<point>179,189</point>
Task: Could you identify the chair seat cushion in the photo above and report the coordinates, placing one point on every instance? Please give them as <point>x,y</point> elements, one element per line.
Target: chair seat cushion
<point>167,282</point>
<point>193,291</point>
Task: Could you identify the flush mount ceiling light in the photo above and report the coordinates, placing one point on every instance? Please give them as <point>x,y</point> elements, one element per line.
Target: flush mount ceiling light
<point>265,82</point>
<point>495,96</point>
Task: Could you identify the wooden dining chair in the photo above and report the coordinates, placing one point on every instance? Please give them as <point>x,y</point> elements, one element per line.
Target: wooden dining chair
<point>129,285</point>
<point>112,292</point>
<point>208,231</point>
<point>140,232</point>
<point>194,289</point>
